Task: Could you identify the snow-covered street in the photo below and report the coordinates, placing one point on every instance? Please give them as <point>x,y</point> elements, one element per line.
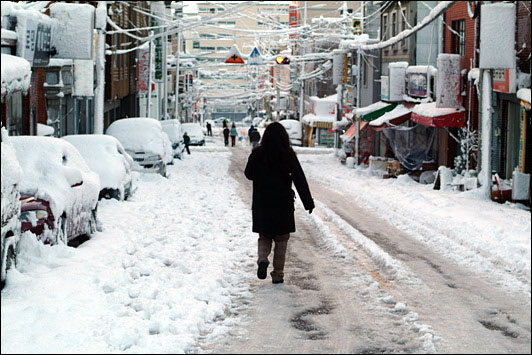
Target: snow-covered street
<point>168,262</point>
<point>173,270</point>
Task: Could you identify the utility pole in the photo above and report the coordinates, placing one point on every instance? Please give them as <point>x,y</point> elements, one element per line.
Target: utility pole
<point>164,105</point>
<point>99,93</point>
<point>176,102</point>
<point>485,172</point>
<point>150,63</point>
<point>278,102</point>
<point>302,85</point>
<point>359,67</point>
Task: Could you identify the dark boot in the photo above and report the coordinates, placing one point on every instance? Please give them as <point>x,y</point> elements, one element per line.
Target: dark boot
<point>262,270</point>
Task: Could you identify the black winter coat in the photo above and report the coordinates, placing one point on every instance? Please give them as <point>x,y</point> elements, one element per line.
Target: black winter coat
<point>273,197</point>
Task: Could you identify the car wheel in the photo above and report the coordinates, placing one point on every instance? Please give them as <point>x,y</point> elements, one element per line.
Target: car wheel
<point>10,260</point>
<point>62,236</point>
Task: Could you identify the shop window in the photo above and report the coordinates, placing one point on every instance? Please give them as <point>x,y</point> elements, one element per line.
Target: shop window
<point>52,77</point>
<point>458,37</point>
<point>67,77</point>
<point>14,123</point>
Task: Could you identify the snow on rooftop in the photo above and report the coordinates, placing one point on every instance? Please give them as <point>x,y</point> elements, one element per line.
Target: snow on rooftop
<point>422,69</point>
<point>430,110</point>
<point>360,111</point>
<point>16,74</point>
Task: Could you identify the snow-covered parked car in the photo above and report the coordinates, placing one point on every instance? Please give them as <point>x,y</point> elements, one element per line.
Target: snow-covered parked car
<point>11,177</point>
<point>59,193</point>
<point>195,133</point>
<point>173,129</point>
<point>168,151</point>
<point>295,131</point>
<point>143,140</point>
<point>105,156</point>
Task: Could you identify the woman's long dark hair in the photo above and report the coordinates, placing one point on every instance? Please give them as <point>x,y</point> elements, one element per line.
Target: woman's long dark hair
<point>276,146</point>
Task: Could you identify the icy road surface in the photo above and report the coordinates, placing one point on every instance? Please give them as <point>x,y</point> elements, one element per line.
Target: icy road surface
<point>174,271</point>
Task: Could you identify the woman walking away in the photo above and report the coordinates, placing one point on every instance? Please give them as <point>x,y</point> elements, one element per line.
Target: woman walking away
<point>273,166</point>
<point>234,133</point>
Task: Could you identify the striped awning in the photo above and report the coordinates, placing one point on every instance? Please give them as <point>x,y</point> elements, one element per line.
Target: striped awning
<point>374,111</point>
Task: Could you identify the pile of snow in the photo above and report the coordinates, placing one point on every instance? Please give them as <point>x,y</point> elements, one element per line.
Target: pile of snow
<point>101,153</point>
<point>51,166</point>
<point>15,75</point>
<point>139,134</point>
<point>45,130</point>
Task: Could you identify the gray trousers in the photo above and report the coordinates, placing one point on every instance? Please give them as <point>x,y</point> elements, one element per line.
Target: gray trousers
<point>279,252</point>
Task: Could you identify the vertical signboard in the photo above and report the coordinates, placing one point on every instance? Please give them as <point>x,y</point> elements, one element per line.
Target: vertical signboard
<point>158,46</point>
<point>292,19</point>
<point>73,32</point>
<point>34,42</point>
<point>143,69</point>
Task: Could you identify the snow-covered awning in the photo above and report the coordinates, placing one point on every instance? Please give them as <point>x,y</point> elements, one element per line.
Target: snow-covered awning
<point>524,96</point>
<point>400,114</point>
<point>320,121</point>
<point>431,116</point>
<point>374,111</point>
<point>15,75</point>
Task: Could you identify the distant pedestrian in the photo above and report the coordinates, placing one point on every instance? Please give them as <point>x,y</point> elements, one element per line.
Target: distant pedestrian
<point>254,138</point>
<point>226,136</point>
<point>186,140</point>
<point>272,167</point>
<point>209,129</point>
<point>225,123</point>
<point>234,133</point>
<point>250,130</point>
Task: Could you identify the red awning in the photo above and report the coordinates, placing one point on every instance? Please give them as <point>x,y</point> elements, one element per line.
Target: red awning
<point>351,132</point>
<point>430,116</point>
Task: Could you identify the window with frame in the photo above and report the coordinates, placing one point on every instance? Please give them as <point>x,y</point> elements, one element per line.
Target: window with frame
<point>384,26</point>
<point>195,44</point>
<point>404,43</point>
<point>394,26</point>
<point>458,37</point>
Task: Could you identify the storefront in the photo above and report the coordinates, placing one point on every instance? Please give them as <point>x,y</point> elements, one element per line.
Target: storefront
<point>16,77</point>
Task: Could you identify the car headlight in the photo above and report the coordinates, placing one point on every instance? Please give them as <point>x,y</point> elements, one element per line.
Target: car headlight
<point>33,216</point>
